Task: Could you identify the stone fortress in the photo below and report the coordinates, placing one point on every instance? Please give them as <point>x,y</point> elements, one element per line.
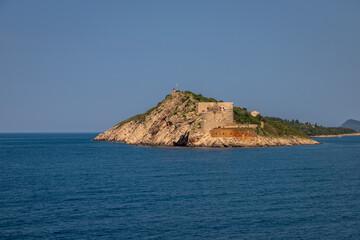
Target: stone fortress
<point>215,114</point>
<point>219,120</point>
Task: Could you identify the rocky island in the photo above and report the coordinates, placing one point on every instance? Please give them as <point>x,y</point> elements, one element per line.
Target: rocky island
<point>191,120</point>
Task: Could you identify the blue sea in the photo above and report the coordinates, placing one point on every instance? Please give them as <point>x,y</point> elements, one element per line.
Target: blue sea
<point>66,186</point>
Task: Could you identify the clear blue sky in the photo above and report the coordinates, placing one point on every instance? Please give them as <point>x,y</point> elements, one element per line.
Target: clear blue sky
<point>75,66</point>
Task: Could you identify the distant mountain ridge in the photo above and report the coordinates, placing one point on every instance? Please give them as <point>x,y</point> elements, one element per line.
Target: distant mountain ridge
<point>352,124</point>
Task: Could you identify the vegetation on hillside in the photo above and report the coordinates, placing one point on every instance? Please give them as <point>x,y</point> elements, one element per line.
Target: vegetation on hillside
<point>200,98</point>
<point>140,117</point>
<point>310,129</point>
<point>242,116</point>
<point>272,126</point>
<point>189,107</point>
<point>137,118</point>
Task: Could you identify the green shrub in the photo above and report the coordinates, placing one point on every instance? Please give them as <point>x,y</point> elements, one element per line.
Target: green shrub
<point>199,97</point>
<point>311,130</point>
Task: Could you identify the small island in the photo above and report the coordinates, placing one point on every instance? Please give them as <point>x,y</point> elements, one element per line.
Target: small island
<point>192,120</point>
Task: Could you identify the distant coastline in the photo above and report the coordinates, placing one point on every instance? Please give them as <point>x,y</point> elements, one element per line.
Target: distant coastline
<point>339,135</point>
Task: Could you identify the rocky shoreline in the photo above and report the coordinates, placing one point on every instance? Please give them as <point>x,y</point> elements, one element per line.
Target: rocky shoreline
<point>208,141</point>
<point>339,135</point>
<point>175,123</point>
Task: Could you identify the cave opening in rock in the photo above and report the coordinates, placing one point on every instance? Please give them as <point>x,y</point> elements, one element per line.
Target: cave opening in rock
<point>183,140</point>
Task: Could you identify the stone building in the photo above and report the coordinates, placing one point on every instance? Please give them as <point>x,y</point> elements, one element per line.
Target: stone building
<point>239,133</point>
<point>254,113</point>
<point>219,121</point>
<point>215,114</point>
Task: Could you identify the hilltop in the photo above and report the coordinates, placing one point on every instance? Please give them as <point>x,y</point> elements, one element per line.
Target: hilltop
<point>352,124</point>
<point>189,119</point>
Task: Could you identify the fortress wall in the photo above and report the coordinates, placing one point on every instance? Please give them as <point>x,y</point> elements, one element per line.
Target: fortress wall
<point>202,107</point>
<point>243,134</point>
<point>216,115</point>
<point>207,125</point>
<point>226,115</point>
<point>222,106</point>
<point>253,126</point>
<point>229,114</point>
<point>226,105</point>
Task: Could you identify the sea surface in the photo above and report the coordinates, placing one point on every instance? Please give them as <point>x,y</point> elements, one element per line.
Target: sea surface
<point>65,186</point>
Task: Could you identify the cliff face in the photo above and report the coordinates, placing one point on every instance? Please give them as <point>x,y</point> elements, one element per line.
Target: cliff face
<point>174,122</point>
